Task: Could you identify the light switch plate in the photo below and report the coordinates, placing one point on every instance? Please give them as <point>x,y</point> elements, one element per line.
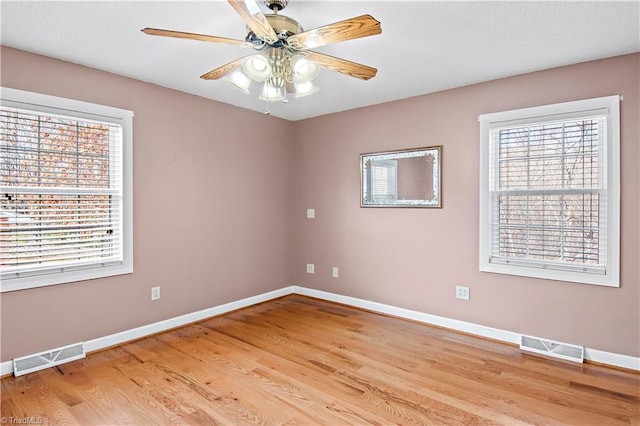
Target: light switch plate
<point>155,293</point>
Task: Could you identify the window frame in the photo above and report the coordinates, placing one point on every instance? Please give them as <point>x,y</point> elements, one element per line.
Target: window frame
<point>47,104</point>
<point>610,160</point>
<point>391,167</point>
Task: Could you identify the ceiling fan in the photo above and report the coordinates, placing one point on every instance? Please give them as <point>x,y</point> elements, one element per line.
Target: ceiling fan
<point>284,62</point>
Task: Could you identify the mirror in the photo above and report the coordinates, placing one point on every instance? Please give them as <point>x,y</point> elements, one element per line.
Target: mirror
<point>408,178</point>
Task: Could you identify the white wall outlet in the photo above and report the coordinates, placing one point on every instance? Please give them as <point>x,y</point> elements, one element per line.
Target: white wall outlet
<point>311,268</point>
<point>155,293</point>
<point>335,271</point>
<point>311,213</point>
<point>462,292</point>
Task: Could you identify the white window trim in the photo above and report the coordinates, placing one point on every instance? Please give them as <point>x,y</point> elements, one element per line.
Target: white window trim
<point>392,178</point>
<point>55,105</point>
<point>611,154</point>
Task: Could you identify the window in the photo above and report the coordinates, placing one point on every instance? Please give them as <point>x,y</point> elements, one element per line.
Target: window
<point>550,192</point>
<point>65,190</point>
<point>381,182</point>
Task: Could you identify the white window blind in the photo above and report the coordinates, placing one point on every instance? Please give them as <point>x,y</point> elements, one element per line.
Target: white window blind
<point>61,194</point>
<point>547,194</point>
<point>549,202</point>
<point>384,180</point>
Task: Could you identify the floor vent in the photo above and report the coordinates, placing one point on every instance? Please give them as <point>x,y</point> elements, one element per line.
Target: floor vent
<point>35,362</point>
<point>552,349</point>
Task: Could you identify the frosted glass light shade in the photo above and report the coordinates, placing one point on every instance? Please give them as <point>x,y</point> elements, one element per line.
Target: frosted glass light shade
<point>271,93</point>
<point>239,80</point>
<point>257,68</point>
<point>303,69</point>
<point>305,89</point>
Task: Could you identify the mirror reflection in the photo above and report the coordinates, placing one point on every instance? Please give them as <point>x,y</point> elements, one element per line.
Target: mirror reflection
<point>408,178</point>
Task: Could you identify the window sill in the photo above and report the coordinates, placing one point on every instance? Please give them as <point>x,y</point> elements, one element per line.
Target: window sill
<point>610,279</point>
<point>44,280</point>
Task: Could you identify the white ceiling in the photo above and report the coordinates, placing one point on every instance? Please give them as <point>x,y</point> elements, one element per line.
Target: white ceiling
<point>425,46</point>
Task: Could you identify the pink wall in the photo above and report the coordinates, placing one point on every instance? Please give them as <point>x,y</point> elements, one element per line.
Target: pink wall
<point>415,178</point>
<point>413,258</point>
<point>219,211</point>
<point>212,210</point>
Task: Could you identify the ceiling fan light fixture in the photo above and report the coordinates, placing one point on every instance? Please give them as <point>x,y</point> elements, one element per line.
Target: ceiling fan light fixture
<point>271,93</point>
<point>303,69</point>
<point>282,60</point>
<point>305,89</point>
<point>239,80</point>
<point>257,68</point>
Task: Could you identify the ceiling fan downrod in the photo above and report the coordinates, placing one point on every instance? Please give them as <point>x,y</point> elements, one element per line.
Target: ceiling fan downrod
<point>276,5</point>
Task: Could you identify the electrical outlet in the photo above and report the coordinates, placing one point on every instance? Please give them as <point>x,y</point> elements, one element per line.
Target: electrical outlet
<point>462,292</point>
<point>155,293</point>
<point>311,213</point>
<point>335,272</point>
<point>310,268</point>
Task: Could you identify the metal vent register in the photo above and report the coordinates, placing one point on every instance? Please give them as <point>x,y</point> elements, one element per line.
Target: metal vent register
<point>51,358</point>
<point>553,349</point>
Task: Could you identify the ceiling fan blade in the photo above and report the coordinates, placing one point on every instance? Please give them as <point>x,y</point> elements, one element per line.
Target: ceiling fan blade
<point>223,70</point>
<point>343,66</point>
<point>255,19</point>
<point>192,36</point>
<point>349,29</point>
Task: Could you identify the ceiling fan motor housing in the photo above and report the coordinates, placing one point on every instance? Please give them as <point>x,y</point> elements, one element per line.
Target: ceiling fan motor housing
<point>283,27</point>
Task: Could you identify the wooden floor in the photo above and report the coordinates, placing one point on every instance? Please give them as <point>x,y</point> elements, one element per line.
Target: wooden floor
<point>298,360</point>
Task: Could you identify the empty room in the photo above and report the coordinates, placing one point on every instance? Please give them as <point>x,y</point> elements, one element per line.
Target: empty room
<point>320,212</point>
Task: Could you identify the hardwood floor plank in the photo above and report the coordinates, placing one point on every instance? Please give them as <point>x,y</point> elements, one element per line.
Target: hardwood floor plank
<point>314,394</point>
<point>302,361</point>
<point>424,387</point>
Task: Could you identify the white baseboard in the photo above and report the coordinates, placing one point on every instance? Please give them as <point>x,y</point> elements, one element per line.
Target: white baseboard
<point>157,327</point>
<point>467,327</point>
<point>613,359</point>
<point>595,355</point>
<point>6,368</point>
<point>160,326</point>
<point>610,358</point>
